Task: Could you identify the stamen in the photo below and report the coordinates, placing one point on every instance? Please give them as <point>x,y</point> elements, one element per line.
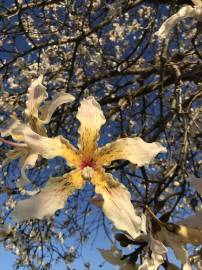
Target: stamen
<point>87,173</point>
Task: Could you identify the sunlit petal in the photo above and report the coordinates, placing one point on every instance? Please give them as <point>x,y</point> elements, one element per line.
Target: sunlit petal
<point>169,232</point>
<point>91,118</point>
<point>49,107</point>
<point>135,150</point>
<point>46,147</point>
<point>26,161</point>
<point>116,204</point>
<point>38,126</point>
<point>194,221</point>
<point>50,199</point>
<point>171,22</point>
<point>27,158</point>
<point>190,235</point>
<point>175,236</point>
<point>36,95</point>
<point>197,2</point>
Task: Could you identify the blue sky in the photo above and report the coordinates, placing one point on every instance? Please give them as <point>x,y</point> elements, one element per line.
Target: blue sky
<point>89,254</point>
<point>7,259</point>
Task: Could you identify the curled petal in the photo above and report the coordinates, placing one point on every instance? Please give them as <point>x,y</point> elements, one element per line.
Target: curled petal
<point>115,201</point>
<point>37,126</point>
<point>135,150</point>
<point>26,161</point>
<point>176,232</point>
<point>175,236</point>
<point>50,199</point>
<point>27,158</point>
<point>170,23</point>
<point>36,95</point>
<point>49,107</point>
<point>52,147</point>
<point>46,147</point>
<point>91,118</point>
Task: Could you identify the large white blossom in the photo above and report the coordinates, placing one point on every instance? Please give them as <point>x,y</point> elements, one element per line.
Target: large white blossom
<point>88,161</point>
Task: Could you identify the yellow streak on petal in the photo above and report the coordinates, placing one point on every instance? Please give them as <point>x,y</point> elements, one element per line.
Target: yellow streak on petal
<point>135,150</point>
<point>117,204</point>
<point>91,118</point>
<point>51,147</point>
<point>103,180</point>
<point>50,199</point>
<point>71,154</point>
